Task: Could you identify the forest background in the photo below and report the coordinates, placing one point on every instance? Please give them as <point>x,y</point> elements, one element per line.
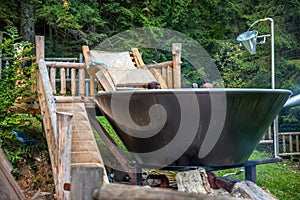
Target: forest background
<point>215,24</point>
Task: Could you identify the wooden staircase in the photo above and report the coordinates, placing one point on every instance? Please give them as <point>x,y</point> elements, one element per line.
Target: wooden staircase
<point>84,150</point>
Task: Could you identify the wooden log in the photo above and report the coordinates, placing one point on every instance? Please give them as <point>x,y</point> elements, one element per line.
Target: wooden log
<point>64,130</point>
<point>84,181</point>
<point>164,74</point>
<point>53,80</point>
<point>62,59</point>
<point>132,192</point>
<point>82,82</point>
<point>160,65</point>
<point>26,108</point>
<point>40,54</point>
<point>9,188</point>
<point>63,82</point>
<point>92,85</point>
<point>48,109</point>
<point>141,65</point>
<point>297,143</point>
<point>176,52</point>
<point>70,65</point>
<point>170,77</point>
<point>73,81</point>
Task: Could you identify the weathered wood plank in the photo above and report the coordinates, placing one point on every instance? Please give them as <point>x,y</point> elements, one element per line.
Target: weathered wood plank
<point>84,181</point>
<point>176,51</point>
<point>70,65</point>
<point>64,126</point>
<point>9,189</point>
<point>141,65</point>
<point>73,82</point>
<point>53,79</point>
<point>63,82</point>
<point>132,192</point>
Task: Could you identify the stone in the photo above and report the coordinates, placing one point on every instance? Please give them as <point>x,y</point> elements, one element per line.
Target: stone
<point>194,181</point>
<point>248,189</point>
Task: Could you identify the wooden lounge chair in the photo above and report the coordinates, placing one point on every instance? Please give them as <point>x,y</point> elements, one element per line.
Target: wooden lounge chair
<point>120,70</point>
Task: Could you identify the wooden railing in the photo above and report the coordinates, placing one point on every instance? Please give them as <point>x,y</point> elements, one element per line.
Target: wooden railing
<point>289,144</point>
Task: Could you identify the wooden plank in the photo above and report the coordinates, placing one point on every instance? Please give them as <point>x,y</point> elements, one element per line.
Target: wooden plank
<point>297,143</point>
<point>82,82</point>
<point>170,77</point>
<point>48,109</point>
<point>92,85</point>
<point>64,125</point>
<point>160,65</point>
<point>85,180</point>
<point>84,146</point>
<point>141,65</point>
<point>73,82</point>
<point>133,192</point>
<point>77,136</point>
<point>164,74</point>
<point>283,143</point>
<point>176,52</point>
<point>63,82</point>
<point>104,78</point>
<point>53,79</point>
<point>85,157</point>
<point>289,133</point>
<point>26,108</point>
<point>9,188</point>
<point>70,65</point>
<point>291,143</point>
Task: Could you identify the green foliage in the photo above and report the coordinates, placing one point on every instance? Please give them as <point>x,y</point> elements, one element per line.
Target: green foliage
<point>105,123</point>
<point>281,179</point>
<point>15,78</point>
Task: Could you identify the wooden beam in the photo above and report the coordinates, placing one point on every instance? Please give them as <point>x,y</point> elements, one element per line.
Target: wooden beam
<point>133,192</point>
<point>160,65</point>
<point>70,65</point>
<point>141,65</point>
<point>9,188</point>
<point>176,52</point>
<point>84,180</point>
<point>64,126</point>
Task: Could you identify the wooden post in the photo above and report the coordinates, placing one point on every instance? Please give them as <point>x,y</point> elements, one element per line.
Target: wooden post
<point>82,82</point>
<point>40,54</point>
<point>52,79</point>
<point>92,85</point>
<point>176,52</point>
<point>63,81</point>
<point>141,65</point>
<point>170,77</point>
<point>64,130</point>
<point>73,82</point>
<point>9,188</point>
<point>84,181</point>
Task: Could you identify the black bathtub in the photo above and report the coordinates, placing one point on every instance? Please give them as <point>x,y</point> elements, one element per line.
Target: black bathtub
<point>191,127</point>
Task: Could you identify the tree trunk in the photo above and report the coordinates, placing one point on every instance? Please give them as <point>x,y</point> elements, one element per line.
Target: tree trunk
<point>27,21</point>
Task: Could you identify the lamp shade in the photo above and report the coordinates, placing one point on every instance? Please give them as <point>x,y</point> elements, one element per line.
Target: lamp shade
<point>248,39</point>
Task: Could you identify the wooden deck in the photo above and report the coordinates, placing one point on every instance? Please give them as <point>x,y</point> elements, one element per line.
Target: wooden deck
<point>84,150</point>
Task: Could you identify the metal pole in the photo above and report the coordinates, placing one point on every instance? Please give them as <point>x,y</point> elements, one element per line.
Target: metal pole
<point>275,127</point>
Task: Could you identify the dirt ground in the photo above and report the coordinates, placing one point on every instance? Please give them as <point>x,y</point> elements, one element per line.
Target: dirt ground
<point>37,176</point>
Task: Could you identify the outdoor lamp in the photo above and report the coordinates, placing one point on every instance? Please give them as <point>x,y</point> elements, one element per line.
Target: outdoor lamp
<point>249,40</point>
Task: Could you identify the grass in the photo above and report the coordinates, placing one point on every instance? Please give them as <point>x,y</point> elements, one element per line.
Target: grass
<point>281,179</point>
